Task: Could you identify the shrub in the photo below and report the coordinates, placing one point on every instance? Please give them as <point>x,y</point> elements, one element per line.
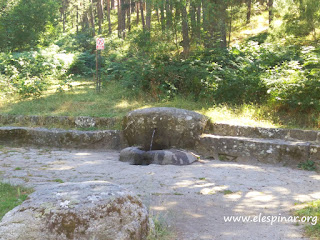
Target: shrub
<point>83,64</point>
<point>28,73</point>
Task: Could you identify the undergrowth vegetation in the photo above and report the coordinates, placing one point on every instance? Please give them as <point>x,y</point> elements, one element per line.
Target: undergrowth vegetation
<point>29,73</point>
<point>11,196</point>
<point>312,210</point>
<point>276,73</point>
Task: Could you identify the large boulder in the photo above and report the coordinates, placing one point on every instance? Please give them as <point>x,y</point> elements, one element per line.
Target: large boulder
<point>80,211</point>
<point>171,127</point>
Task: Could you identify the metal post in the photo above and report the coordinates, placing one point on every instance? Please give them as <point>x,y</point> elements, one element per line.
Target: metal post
<point>97,72</point>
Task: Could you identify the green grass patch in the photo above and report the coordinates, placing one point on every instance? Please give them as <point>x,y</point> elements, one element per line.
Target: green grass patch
<point>227,192</point>
<point>161,230</point>
<point>11,196</point>
<point>308,165</point>
<point>116,101</point>
<point>58,180</point>
<point>312,230</point>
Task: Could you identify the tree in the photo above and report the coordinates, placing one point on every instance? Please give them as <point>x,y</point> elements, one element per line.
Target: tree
<point>185,31</point>
<point>249,11</point>
<point>22,22</point>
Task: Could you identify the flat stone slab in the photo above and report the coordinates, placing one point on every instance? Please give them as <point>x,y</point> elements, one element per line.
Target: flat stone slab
<point>61,121</point>
<point>136,156</point>
<point>264,150</point>
<point>79,211</point>
<point>108,139</point>
<point>223,129</point>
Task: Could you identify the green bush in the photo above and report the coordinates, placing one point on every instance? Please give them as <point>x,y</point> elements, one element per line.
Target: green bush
<point>29,73</point>
<point>294,85</point>
<point>83,64</point>
<point>285,77</point>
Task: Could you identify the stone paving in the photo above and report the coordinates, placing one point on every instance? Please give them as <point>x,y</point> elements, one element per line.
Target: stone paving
<point>192,199</point>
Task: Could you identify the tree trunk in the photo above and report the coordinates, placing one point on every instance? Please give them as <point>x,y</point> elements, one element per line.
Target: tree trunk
<point>248,11</point>
<point>138,12</point>
<point>119,18</point>
<point>63,14</point>
<point>92,19</point>
<point>112,4</point>
<point>157,13</point>
<point>270,7</point>
<point>193,19</point>
<point>230,26</point>
<point>109,17</point>
<point>163,26</point>
<point>100,14</point>
<point>168,14</point>
<point>129,15</point>
<point>142,15</point>
<point>77,19</point>
<point>148,15</point>
<point>123,11</point>
<point>185,32</point>
<point>199,20</point>
<point>223,24</point>
<point>85,21</point>
<point>205,15</point>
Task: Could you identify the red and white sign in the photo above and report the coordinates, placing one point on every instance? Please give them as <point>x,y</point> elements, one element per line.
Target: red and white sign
<point>100,44</point>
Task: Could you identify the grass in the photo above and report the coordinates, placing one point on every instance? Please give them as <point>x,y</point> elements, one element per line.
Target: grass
<point>11,196</point>
<point>227,192</point>
<point>308,165</point>
<point>58,180</point>
<point>161,230</point>
<point>116,101</point>
<point>312,209</point>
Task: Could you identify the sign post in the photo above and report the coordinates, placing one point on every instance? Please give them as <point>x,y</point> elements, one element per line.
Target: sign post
<point>99,47</point>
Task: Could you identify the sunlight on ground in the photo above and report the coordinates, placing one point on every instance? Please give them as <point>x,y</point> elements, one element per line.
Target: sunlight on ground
<point>258,24</point>
<point>246,116</point>
<point>316,177</point>
<point>307,198</point>
<point>124,104</point>
<point>83,154</point>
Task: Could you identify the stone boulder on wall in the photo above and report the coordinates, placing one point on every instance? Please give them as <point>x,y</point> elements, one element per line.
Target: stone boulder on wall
<point>171,127</point>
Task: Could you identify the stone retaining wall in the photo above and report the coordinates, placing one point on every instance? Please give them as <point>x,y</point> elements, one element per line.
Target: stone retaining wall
<point>269,145</point>
<point>222,129</point>
<point>107,139</point>
<point>61,121</point>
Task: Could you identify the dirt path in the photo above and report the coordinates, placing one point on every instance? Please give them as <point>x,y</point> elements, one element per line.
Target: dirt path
<point>192,199</point>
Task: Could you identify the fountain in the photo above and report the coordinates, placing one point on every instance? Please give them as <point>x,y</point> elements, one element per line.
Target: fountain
<point>170,129</point>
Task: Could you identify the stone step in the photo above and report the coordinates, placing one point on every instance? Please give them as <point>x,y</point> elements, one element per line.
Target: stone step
<point>60,121</point>
<point>263,150</point>
<point>223,129</point>
<point>106,139</point>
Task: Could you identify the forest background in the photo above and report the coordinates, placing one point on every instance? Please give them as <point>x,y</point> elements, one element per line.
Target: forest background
<point>257,60</point>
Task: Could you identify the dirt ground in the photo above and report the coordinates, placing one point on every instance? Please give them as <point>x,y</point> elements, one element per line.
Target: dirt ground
<point>192,199</point>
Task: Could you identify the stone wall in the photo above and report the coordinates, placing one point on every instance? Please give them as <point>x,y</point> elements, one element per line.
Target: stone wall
<point>106,139</point>
<point>269,145</point>
<point>60,121</point>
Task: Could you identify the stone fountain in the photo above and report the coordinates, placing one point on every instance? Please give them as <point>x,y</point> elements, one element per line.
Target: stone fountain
<point>161,136</point>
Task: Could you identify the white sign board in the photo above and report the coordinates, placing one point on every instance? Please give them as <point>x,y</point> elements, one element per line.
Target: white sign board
<point>100,43</point>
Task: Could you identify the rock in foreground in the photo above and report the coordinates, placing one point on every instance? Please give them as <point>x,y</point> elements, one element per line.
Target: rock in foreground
<point>81,211</point>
